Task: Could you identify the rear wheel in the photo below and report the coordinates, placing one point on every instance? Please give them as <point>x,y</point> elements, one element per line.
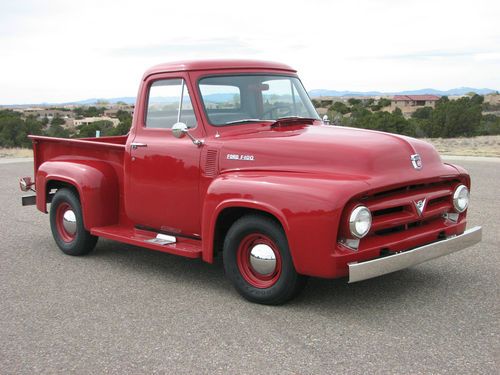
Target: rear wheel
<point>258,262</point>
<point>66,222</point>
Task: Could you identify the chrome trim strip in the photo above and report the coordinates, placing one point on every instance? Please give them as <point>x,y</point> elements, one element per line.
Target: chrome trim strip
<point>382,266</point>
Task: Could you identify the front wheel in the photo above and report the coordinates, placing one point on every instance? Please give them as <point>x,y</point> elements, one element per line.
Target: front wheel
<point>258,262</point>
<point>66,222</point>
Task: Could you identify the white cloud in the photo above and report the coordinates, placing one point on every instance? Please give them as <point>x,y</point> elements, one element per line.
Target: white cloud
<point>59,50</point>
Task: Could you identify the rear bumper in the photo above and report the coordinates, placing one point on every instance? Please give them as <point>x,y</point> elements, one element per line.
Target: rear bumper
<point>382,266</point>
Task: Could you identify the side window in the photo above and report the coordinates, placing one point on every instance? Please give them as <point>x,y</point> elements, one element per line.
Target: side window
<point>168,103</point>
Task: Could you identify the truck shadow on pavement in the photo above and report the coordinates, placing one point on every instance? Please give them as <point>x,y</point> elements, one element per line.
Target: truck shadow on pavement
<point>423,284</point>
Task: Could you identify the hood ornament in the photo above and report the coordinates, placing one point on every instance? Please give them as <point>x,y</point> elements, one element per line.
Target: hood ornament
<point>419,205</point>
<point>416,161</point>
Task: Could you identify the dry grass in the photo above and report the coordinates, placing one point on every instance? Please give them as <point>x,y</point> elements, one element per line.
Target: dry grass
<point>15,152</point>
<point>488,145</point>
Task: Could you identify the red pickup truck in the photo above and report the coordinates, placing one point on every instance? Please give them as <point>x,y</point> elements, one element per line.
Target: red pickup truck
<point>231,158</point>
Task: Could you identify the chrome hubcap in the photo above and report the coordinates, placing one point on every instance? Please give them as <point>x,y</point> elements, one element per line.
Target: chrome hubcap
<point>263,259</point>
<point>69,222</point>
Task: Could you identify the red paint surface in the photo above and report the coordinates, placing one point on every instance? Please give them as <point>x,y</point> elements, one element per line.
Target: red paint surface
<point>308,176</point>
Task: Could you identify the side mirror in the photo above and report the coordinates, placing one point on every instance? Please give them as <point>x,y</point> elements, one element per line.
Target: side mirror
<point>179,130</point>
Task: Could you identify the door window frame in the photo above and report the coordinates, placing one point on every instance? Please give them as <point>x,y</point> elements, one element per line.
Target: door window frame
<point>145,102</point>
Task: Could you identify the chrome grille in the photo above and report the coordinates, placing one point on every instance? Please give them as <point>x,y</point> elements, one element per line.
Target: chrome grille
<point>396,210</point>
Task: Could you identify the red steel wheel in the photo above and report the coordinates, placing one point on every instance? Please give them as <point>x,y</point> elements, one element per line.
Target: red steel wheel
<point>66,222</point>
<point>259,260</point>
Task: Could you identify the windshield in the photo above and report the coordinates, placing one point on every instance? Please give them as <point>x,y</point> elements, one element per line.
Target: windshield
<point>243,99</point>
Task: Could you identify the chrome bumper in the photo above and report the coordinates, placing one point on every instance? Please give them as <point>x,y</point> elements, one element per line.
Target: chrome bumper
<point>396,262</point>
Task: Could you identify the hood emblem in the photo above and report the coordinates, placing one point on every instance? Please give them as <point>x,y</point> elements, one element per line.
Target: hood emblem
<point>416,161</point>
<point>419,205</point>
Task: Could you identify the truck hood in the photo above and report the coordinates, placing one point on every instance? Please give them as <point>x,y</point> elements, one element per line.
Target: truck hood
<point>350,153</point>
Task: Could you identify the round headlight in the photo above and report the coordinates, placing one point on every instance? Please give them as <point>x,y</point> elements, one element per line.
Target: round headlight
<point>360,221</point>
<point>461,198</point>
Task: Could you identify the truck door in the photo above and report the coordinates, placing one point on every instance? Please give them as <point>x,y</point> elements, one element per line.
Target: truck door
<point>162,171</point>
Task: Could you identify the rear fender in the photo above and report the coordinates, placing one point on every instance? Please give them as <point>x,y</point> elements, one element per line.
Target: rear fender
<point>95,181</point>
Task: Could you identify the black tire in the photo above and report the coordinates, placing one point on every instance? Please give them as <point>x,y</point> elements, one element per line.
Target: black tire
<point>79,241</point>
<point>274,288</point>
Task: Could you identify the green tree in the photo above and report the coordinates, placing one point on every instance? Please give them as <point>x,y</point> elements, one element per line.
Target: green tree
<point>490,125</point>
<point>477,99</point>
<point>353,101</point>
<point>10,123</point>
<point>424,113</point>
<point>56,130</point>
<point>89,130</point>
<point>456,118</point>
<point>125,123</point>
<point>31,126</point>
<point>91,111</point>
<point>340,108</point>
<point>384,102</point>
<point>57,120</point>
<point>14,130</point>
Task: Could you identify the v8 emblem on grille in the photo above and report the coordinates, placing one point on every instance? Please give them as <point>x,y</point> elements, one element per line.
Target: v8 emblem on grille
<point>419,205</point>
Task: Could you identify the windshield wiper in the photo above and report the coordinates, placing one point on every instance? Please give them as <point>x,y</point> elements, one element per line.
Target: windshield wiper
<point>285,118</point>
<point>293,118</point>
<point>246,120</point>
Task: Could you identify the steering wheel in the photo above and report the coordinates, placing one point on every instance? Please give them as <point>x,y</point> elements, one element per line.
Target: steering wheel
<point>270,111</point>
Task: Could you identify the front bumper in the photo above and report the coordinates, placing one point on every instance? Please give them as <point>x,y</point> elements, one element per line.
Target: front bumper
<point>396,262</point>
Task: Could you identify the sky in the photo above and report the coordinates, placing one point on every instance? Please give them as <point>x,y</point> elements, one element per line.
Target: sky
<point>59,51</point>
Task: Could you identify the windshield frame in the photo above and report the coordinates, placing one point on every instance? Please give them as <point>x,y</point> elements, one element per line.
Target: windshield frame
<point>241,74</point>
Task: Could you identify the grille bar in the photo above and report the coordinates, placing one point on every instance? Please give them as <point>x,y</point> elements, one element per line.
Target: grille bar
<point>395,210</point>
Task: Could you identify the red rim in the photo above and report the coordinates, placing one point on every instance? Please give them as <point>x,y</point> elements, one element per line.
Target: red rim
<point>252,277</point>
<point>63,233</point>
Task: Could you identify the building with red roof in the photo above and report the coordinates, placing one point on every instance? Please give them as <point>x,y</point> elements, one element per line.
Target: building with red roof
<point>410,103</point>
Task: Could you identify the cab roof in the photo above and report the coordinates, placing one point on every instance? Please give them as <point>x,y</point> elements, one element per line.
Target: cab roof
<point>192,65</point>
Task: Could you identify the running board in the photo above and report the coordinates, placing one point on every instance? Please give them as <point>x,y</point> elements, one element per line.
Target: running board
<point>185,247</point>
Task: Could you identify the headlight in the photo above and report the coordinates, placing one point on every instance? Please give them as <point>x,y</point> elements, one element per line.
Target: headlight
<point>461,198</point>
<point>360,221</point>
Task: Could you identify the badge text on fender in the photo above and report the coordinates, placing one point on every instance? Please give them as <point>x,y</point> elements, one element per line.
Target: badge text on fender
<point>240,157</point>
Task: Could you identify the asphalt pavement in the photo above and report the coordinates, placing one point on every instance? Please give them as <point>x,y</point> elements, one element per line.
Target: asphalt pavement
<point>124,309</point>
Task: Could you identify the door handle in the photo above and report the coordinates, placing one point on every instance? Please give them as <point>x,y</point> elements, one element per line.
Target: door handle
<point>136,145</point>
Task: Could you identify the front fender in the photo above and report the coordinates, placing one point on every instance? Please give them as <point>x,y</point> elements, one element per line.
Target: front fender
<point>308,207</point>
<point>96,183</point>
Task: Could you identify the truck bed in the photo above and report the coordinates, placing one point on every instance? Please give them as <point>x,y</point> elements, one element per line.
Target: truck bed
<point>109,150</point>
<point>103,148</point>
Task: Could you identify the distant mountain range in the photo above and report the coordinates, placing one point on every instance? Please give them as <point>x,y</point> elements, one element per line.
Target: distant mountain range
<point>313,93</point>
<point>322,92</point>
<point>125,99</point>
<point>452,92</point>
